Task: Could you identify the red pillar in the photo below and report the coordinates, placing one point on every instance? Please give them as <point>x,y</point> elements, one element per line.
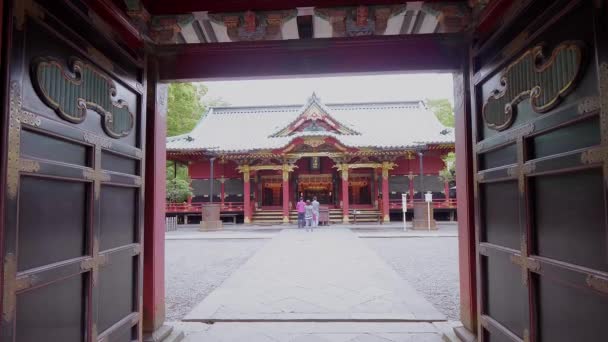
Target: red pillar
<point>285,195</point>
<point>154,206</point>
<point>385,194</point>
<point>222,191</point>
<point>246,195</point>
<point>345,217</point>
<point>257,192</point>
<point>376,190</point>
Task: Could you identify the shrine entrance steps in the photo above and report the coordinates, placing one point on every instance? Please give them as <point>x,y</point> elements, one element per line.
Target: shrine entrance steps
<point>275,217</point>
<point>267,217</point>
<point>335,216</point>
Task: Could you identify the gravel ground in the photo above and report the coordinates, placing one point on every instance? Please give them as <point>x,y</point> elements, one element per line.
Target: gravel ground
<point>194,268</point>
<point>429,264</point>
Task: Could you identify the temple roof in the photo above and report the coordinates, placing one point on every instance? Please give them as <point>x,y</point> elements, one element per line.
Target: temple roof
<point>382,125</point>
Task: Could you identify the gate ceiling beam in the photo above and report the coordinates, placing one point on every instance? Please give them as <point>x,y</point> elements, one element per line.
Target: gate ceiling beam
<point>384,54</point>
<point>188,6</point>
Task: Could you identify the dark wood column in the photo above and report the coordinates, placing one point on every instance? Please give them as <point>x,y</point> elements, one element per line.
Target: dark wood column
<point>465,210</point>
<point>154,222</point>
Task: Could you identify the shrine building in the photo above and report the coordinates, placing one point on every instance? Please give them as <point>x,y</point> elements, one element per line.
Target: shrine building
<point>356,158</point>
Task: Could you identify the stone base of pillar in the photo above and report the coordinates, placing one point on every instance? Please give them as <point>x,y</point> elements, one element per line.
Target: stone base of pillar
<point>211,217</point>
<point>345,219</point>
<point>211,225</point>
<point>423,224</point>
<point>387,218</point>
<point>166,333</point>
<point>421,217</point>
<point>246,220</point>
<point>285,219</point>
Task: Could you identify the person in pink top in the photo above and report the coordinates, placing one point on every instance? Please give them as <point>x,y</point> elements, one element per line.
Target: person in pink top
<point>301,207</point>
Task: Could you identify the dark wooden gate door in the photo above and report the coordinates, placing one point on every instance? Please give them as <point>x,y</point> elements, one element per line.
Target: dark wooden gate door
<point>540,98</point>
<point>73,182</point>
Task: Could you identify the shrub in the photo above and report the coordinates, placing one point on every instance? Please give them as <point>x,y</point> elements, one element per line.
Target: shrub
<point>178,190</point>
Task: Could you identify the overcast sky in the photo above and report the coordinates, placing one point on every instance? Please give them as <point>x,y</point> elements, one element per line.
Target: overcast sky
<point>333,89</point>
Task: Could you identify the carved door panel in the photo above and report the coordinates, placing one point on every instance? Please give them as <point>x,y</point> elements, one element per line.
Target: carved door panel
<point>73,186</point>
<point>540,118</point>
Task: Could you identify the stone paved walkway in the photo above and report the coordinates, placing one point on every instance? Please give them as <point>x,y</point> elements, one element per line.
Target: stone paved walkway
<point>327,275</point>
<point>317,332</point>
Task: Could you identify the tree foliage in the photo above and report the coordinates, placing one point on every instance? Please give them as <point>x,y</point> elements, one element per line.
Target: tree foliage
<point>448,173</point>
<point>178,190</point>
<point>443,110</point>
<point>176,170</point>
<point>184,107</point>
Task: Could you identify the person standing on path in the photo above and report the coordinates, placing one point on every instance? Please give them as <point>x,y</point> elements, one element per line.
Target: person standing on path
<point>301,208</point>
<point>315,212</point>
<point>308,215</point>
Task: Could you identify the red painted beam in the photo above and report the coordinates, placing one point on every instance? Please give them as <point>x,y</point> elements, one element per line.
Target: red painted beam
<point>159,7</point>
<point>385,54</point>
<point>118,21</point>
<point>492,16</point>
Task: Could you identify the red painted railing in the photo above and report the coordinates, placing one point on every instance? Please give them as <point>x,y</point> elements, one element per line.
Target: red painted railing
<point>196,207</point>
<point>437,203</point>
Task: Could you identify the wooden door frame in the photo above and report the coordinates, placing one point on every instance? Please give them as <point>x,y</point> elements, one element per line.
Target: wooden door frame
<point>467,235</point>
<point>91,257</point>
<point>441,58</point>
<point>3,134</point>
<point>221,65</point>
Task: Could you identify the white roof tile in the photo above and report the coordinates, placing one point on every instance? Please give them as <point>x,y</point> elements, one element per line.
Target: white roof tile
<point>388,125</point>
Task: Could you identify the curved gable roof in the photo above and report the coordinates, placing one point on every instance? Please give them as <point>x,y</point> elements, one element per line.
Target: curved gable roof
<point>312,112</point>
<point>385,125</point>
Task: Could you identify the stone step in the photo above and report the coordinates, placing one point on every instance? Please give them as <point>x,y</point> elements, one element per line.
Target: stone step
<point>335,216</point>
<point>166,333</point>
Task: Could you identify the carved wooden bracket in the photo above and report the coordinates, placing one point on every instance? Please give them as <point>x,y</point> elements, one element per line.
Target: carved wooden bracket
<point>545,81</point>
<point>71,93</point>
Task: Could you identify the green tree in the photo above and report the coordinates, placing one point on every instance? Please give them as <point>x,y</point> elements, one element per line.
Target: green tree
<point>184,110</point>
<point>176,170</point>
<point>184,107</point>
<point>443,110</point>
<point>448,173</point>
<point>178,190</point>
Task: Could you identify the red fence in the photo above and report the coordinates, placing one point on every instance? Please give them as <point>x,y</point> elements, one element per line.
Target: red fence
<point>437,203</point>
<point>172,208</point>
